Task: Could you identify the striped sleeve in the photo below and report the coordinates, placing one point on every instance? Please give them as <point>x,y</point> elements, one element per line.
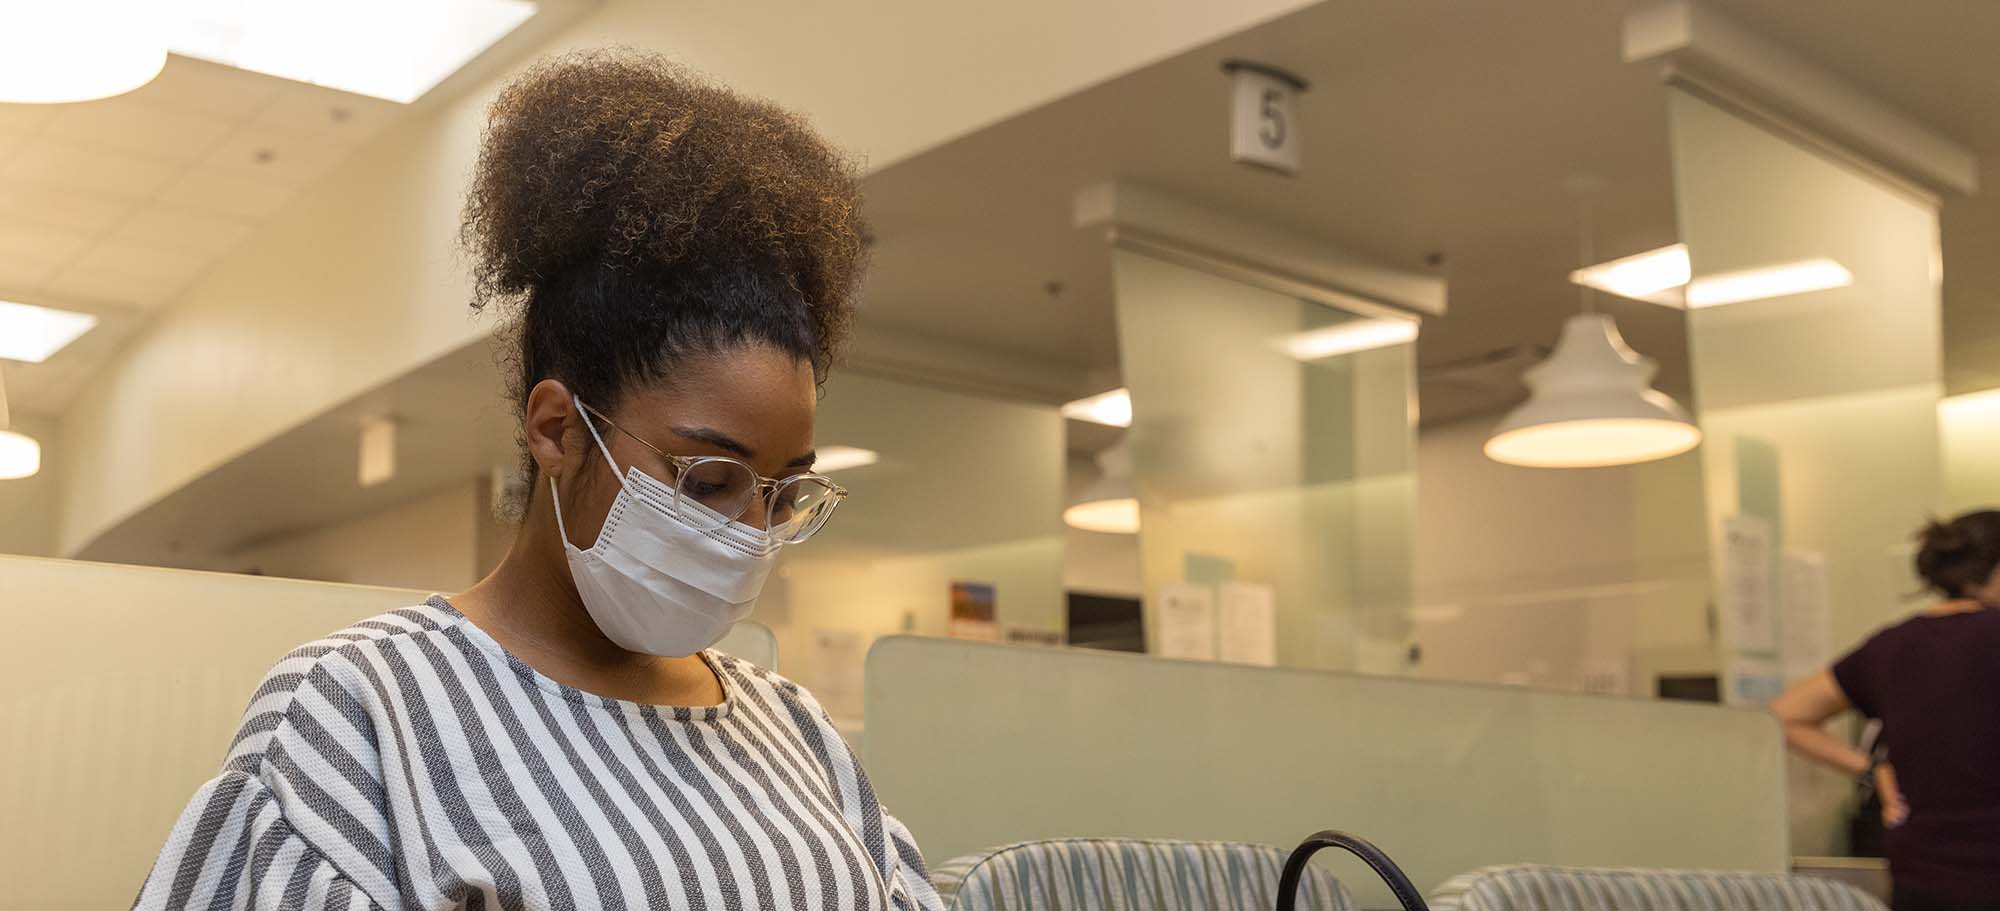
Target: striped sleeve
<point>234,849</point>
<point>297,820</point>
<point>911,878</point>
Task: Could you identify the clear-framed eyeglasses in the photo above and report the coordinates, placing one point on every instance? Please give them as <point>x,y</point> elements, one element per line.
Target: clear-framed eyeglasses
<point>724,490</point>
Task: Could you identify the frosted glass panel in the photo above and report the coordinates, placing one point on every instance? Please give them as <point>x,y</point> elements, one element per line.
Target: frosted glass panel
<point>964,489</point>
<point>1037,744</point>
<point>1272,442</point>
<point>1820,407</point>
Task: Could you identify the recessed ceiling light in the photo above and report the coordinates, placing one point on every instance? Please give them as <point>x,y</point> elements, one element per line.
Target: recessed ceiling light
<point>1348,338</point>
<point>1112,409</point>
<point>836,458</point>
<point>1650,276</point>
<point>392,49</point>
<point>1767,281</point>
<point>30,333</point>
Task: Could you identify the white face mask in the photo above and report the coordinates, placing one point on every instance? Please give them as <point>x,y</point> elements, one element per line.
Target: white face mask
<point>656,584</point>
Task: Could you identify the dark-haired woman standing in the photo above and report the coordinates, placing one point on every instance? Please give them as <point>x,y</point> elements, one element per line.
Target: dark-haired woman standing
<point>1934,681</point>
<point>678,261</point>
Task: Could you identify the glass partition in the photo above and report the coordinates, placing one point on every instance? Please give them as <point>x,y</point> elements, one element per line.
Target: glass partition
<point>1272,443</point>
<point>1814,335</point>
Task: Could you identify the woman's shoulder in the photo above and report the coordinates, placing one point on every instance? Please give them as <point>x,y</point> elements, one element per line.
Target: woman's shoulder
<point>329,673</point>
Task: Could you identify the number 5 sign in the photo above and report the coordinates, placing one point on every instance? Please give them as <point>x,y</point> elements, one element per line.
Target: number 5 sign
<point>1263,126</point>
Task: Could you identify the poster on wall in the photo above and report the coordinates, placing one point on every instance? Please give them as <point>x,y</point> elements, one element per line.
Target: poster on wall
<point>974,612</point>
<point>1805,616</point>
<point>1750,617</point>
<point>1187,622</point>
<point>1247,623</point>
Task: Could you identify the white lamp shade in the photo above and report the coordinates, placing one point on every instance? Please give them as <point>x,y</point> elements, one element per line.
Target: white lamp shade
<point>58,51</point>
<point>1110,505</point>
<point>1592,405</point>
<point>20,455</point>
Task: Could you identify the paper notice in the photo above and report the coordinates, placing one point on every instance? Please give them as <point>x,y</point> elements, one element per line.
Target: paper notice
<point>1750,617</point>
<point>1247,623</point>
<point>1187,622</point>
<point>1805,614</point>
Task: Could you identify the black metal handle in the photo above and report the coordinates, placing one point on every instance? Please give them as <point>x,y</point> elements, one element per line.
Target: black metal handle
<point>1295,867</point>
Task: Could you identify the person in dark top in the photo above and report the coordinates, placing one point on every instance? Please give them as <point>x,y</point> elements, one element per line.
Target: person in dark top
<point>1934,681</point>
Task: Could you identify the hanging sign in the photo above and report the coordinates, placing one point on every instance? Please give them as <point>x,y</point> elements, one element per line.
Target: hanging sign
<point>1263,116</point>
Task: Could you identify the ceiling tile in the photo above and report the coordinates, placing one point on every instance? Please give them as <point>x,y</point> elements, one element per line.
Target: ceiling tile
<point>37,242</point>
<point>168,228</point>
<point>340,117</point>
<point>17,119</point>
<point>71,166</point>
<point>127,273</point>
<point>223,192</point>
<point>137,127</point>
<point>35,204</point>
<point>20,274</point>
<point>211,88</point>
<point>261,152</point>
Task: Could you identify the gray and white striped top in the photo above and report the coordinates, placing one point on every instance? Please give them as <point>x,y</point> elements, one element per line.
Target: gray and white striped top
<point>409,762</point>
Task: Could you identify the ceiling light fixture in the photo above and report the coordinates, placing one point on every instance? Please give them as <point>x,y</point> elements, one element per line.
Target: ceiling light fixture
<point>1591,403</point>
<point>1112,409</point>
<point>840,458</point>
<point>1767,281</point>
<point>391,49</point>
<point>20,455</point>
<point>30,333</point>
<point>1349,338</point>
<point>1655,275</point>
<point>77,50</point>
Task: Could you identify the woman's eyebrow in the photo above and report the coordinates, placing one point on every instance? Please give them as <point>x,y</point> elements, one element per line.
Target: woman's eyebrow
<point>715,438</point>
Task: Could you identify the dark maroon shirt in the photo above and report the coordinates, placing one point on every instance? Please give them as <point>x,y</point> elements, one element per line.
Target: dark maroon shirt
<point>1934,681</point>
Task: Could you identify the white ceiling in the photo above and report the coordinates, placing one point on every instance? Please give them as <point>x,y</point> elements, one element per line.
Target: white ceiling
<point>1431,127</point>
<point>111,207</point>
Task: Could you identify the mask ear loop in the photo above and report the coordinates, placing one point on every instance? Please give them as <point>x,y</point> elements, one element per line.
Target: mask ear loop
<point>608,460</point>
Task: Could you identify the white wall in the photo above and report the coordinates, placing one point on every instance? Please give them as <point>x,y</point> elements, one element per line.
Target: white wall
<point>1541,576</point>
<point>356,281</point>
<point>431,544</point>
<point>28,506</point>
<point>1969,427</point>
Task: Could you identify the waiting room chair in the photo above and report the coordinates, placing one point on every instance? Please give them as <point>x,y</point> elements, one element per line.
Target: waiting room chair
<point>1100,874</point>
<point>1541,888</point>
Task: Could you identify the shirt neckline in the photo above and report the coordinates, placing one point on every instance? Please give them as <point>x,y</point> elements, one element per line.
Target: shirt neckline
<point>528,674</point>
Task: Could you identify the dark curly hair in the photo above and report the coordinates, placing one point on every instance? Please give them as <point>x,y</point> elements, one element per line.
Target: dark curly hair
<point>1957,557</point>
<point>627,213</point>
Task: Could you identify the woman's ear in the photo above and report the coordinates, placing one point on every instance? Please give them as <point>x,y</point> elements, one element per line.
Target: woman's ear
<point>550,413</point>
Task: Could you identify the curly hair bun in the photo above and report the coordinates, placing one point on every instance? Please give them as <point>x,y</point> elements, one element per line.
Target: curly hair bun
<point>621,160</point>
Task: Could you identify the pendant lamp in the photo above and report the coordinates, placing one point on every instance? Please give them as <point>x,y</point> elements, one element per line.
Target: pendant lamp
<point>20,455</point>
<point>57,51</point>
<point>1591,404</point>
<point>1110,505</point>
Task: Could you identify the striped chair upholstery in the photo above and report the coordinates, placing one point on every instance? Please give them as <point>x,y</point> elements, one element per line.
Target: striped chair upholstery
<point>1538,888</point>
<point>1098,874</point>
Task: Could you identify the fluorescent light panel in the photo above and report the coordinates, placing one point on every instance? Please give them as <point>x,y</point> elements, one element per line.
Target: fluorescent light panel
<point>837,458</point>
<point>30,333</point>
<point>1348,338</point>
<point>1112,409</point>
<point>391,49</point>
<point>1767,281</point>
<point>1649,276</point>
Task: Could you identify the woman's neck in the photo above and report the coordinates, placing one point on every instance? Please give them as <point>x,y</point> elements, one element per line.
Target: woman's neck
<point>1955,606</point>
<point>529,605</point>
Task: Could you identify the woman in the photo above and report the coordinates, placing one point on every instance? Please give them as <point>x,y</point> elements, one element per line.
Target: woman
<point>1933,681</point>
<point>680,261</point>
